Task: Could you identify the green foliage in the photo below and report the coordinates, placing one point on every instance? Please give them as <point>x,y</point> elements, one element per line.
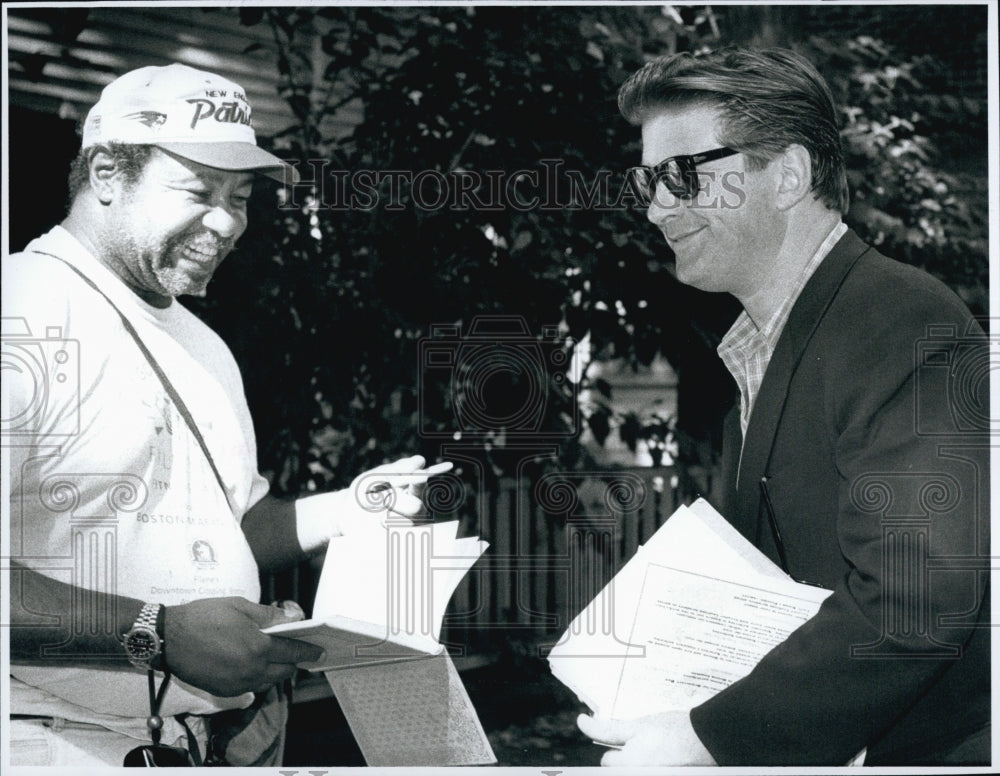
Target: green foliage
<point>910,198</point>
<point>329,304</point>
<point>343,296</point>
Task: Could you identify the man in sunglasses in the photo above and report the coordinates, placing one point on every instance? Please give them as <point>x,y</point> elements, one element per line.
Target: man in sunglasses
<point>139,522</point>
<point>856,455</point>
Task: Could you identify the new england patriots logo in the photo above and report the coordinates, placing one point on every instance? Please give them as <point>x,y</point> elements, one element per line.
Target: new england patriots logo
<point>150,118</point>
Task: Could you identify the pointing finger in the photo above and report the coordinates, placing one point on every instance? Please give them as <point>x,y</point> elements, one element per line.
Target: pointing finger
<point>402,465</point>
<point>381,479</point>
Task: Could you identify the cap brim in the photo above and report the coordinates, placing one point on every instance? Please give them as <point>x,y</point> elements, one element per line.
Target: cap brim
<point>237,157</point>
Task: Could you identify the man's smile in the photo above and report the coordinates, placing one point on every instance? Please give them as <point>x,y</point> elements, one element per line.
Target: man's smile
<point>673,239</point>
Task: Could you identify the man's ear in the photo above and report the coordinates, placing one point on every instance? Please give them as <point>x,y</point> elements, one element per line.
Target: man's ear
<point>794,176</point>
<point>105,176</point>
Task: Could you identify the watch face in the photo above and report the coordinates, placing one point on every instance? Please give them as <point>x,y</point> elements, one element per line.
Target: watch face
<point>142,644</point>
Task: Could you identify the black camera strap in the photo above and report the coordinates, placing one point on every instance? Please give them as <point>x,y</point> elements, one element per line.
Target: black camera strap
<point>167,385</point>
<point>160,755</point>
<point>155,722</point>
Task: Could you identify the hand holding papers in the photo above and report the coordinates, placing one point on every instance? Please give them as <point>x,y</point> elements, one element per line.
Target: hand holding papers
<point>692,612</point>
<point>667,738</point>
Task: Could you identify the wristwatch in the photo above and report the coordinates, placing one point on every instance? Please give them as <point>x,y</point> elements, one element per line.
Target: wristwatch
<point>144,641</point>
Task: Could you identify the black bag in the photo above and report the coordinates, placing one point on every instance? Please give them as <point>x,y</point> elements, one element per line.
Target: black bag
<point>251,737</point>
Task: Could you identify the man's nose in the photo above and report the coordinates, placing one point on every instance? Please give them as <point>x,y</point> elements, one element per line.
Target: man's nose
<point>663,206</point>
<point>225,221</point>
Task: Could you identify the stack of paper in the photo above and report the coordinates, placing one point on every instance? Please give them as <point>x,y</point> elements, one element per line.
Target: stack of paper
<point>692,612</point>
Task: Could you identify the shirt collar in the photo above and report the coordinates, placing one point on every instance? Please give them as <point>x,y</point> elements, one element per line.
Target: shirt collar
<point>746,349</point>
<point>745,327</point>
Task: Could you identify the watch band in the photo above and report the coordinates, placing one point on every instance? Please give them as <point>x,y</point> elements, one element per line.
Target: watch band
<point>148,616</point>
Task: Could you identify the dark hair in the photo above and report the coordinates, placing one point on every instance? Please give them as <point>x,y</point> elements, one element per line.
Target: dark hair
<point>768,99</point>
<point>130,157</point>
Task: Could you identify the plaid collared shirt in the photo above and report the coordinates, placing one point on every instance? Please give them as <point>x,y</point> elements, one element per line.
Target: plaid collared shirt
<point>746,349</point>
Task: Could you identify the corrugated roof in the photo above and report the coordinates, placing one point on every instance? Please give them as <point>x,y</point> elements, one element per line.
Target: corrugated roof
<point>61,58</point>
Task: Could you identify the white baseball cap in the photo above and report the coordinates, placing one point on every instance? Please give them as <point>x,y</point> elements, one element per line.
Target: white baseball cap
<point>198,115</point>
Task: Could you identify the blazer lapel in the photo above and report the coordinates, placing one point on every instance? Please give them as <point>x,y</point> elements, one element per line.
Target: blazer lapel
<point>802,322</point>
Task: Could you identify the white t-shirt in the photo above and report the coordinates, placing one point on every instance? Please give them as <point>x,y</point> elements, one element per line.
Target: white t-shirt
<point>109,489</point>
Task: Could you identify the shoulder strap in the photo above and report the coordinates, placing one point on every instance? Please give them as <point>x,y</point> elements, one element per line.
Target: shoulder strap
<point>168,386</point>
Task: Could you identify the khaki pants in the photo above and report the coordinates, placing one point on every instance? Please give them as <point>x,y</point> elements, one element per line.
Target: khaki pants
<point>47,741</point>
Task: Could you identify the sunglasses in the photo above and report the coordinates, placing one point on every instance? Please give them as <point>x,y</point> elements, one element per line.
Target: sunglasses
<point>678,173</point>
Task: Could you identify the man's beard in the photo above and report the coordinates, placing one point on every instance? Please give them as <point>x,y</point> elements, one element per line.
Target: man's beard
<point>166,264</point>
<point>176,282</point>
<point>165,259</point>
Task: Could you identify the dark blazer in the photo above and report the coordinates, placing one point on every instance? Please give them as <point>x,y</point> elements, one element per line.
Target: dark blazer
<point>870,428</point>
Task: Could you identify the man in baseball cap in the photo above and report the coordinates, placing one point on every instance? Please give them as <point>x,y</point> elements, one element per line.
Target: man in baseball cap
<point>198,115</point>
<point>160,187</point>
<point>149,579</point>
